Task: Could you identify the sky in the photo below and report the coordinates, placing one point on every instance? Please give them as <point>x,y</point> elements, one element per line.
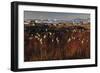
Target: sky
<point>54,15</point>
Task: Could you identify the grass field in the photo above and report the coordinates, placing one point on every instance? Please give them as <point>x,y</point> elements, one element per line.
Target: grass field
<point>56,42</point>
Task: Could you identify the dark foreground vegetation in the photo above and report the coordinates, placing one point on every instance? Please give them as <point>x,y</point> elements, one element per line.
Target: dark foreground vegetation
<point>44,42</point>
